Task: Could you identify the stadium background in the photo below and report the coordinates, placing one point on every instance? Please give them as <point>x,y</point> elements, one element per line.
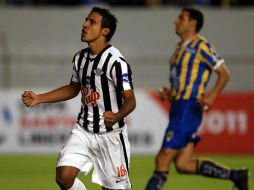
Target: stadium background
<point>36,48</point>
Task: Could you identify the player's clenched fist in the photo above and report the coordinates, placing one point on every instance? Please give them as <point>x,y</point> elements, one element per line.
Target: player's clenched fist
<point>110,118</point>
<point>29,98</point>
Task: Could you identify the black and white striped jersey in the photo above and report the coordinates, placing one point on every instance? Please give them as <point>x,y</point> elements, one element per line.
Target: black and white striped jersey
<point>102,78</point>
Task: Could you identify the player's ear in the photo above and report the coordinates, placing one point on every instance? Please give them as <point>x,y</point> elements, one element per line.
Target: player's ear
<point>105,31</point>
<point>193,24</point>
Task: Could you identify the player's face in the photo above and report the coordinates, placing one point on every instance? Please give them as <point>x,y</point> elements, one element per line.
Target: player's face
<point>183,23</point>
<point>91,29</point>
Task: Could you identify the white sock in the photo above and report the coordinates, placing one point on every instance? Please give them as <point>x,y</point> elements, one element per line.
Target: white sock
<point>77,185</point>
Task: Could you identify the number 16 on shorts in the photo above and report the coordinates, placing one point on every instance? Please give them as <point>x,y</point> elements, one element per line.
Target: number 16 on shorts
<point>121,171</point>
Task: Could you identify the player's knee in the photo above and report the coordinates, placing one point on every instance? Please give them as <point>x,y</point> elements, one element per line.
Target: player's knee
<point>158,159</point>
<point>64,181</point>
<point>180,169</point>
<point>181,166</point>
<point>164,156</point>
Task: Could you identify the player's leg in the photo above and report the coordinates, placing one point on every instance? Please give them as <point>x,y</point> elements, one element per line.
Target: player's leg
<point>112,160</point>
<point>164,159</point>
<point>184,161</point>
<point>162,162</point>
<point>172,142</point>
<point>186,164</point>
<point>212,169</point>
<point>185,117</point>
<point>73,159</point>
<point>66,178</point>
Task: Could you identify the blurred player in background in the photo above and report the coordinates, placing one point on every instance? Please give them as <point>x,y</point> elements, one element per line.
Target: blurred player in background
<point>190,69</point>
<point>99,139</point>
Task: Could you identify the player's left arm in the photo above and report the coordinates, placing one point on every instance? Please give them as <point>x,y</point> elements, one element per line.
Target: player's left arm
<point>223,76</point>
<point>127,107</point>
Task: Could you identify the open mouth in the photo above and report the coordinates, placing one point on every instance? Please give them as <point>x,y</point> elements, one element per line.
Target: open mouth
<point>83,32</point>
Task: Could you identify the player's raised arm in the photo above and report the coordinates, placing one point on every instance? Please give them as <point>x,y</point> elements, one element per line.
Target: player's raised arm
<point>63,93</point>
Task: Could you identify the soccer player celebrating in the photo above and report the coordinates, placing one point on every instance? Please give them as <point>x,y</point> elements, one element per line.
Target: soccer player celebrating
<point>99,138</point>
<point>191,66</point>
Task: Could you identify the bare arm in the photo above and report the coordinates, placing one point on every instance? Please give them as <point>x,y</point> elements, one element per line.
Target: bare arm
<point>63,93</point>
<point>128,106</point>
<point>223,77</point>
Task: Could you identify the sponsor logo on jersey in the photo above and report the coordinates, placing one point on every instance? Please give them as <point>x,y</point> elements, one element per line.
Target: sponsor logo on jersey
<point>98,72</point>
<point>88,80</point>
<point>191,50</point>
<point>174,79</point>
<point>125,77</point>
<point>89,96</point>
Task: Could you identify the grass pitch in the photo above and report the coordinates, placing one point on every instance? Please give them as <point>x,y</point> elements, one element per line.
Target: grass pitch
<point>37,172</point>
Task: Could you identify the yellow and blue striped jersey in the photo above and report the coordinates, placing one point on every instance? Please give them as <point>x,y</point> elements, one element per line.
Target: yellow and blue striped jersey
<point>190,68</point>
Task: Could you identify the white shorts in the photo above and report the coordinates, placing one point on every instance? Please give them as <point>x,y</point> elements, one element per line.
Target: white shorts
<point>108,153</point>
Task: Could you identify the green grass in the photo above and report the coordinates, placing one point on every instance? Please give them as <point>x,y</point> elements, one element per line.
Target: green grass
<point>37,172</point>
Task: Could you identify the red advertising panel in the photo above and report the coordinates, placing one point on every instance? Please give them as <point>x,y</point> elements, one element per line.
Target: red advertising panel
<point>228,127</point>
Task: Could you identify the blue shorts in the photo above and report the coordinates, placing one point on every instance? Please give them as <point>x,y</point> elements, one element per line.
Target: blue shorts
<point>184,120</point>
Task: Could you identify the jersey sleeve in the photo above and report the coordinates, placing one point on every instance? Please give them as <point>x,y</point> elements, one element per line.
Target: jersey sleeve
<point>75,75</point>
<point>210,56</point>
<point>122,76</point>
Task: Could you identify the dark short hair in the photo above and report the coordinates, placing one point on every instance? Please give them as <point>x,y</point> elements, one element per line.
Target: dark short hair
<point>196,15</point>
<point>108,20</point>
